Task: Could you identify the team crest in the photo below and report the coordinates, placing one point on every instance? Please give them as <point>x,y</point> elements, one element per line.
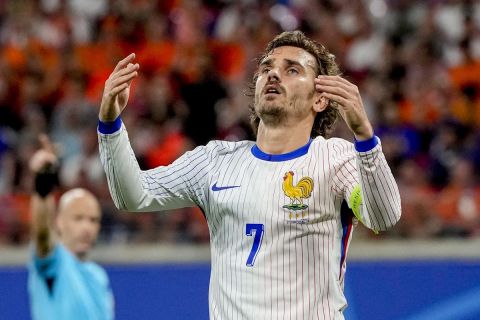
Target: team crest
<point>296,193</point>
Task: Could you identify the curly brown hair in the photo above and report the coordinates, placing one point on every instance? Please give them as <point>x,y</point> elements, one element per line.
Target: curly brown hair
<point>326,65</point>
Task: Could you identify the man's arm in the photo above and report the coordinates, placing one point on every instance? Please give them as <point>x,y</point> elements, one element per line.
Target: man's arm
<point>42,214</point>
<point>131,188</point>
<point>180,184</point>
<point>117,89</point>
<point>43,165</point>
<point>372,194</point>
<point>364,179</point>
<point>376,201</point>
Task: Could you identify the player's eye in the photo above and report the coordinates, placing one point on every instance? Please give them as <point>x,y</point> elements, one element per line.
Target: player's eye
<point>292,71</point>
<point>265,70</point>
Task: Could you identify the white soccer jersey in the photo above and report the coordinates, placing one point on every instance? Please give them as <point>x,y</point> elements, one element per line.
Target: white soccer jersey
<point>278,233</point>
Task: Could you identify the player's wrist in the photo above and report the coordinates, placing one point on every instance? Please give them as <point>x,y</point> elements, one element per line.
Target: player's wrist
<point>109,127</point>
<point>366,145</point>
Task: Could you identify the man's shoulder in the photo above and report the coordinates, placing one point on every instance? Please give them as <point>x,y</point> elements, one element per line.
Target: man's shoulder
<point>339,150</point>
<point>332,142</point>
<point>97,271</point>
<point>222,147</point>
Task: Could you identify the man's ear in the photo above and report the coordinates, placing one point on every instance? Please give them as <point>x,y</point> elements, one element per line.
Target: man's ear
<point>320,102</point>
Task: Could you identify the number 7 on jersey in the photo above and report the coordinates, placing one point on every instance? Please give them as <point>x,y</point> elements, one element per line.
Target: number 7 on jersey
<point>257,241</point>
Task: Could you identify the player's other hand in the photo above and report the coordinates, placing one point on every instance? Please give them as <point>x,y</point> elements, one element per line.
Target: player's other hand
<point>117,89</point>
<point>44,157</point>
<point>350,105</point>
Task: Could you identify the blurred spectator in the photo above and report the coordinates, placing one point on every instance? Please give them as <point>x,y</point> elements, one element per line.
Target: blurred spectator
<point>201,121</point>
<point>458,204</point>
<point>418,199</point>
<point>445,150</point>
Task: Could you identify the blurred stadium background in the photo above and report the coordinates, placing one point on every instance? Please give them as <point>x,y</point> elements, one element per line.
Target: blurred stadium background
<point>417,64</point>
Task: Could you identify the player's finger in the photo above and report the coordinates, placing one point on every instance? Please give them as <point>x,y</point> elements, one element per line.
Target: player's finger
<point>135,67</point>
<point>338,99</point>
<point>124,62</point>
<point>118,89</point>
<point>123,79</point>
<point>41,159</point>
<point>128,69</point>
<point>336,82</point>
<point>340,79</point>
<point>333,89</point>
<point>335,78</point>
<point>45,143</point>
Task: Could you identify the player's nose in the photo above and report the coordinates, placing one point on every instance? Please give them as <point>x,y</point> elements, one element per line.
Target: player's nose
<point>273,75</point>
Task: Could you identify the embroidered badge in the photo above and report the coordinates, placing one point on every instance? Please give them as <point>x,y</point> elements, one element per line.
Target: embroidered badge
<point>301,190</point>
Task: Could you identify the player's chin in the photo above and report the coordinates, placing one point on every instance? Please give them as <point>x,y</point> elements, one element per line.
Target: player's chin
<point>271,107</point>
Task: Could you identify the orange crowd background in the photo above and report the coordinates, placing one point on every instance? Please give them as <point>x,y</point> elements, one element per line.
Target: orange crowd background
<point>417,64</point>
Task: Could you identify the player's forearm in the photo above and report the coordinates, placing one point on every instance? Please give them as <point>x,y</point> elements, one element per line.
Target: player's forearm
<point>162,188</point>
<point>122,170</point>
<point>381,198</point>
<point>43,210</point>
<point>129,186</point>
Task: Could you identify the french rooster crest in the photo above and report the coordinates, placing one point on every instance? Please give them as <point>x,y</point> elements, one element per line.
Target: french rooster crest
<point>302,190</point>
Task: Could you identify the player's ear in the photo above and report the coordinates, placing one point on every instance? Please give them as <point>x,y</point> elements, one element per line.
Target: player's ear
<point>320,102</point>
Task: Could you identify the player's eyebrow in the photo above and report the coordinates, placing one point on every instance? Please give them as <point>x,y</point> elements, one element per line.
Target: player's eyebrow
<point>269,62</point>
<point>266,62</point>
<point>294,63</point>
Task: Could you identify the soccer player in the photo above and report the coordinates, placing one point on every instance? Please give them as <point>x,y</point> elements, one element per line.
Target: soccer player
<point>280,210</point>
<point>62,284</point>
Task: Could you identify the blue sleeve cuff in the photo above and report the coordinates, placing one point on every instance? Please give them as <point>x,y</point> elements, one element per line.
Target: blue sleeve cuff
<point>366,145</point>
<point>110,126</point>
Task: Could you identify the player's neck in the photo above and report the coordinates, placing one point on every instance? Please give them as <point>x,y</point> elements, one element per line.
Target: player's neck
<point>282,139</point>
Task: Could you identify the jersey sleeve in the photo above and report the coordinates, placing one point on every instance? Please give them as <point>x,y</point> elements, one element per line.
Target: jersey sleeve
<point>368,186</point>
<point>178,185</point>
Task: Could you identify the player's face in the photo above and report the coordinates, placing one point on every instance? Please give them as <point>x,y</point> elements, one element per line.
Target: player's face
<point>79,224</point>
<point>285,89</point>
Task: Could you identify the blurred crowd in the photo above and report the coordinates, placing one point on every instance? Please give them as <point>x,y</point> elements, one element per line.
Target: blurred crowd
<point>417,64</point>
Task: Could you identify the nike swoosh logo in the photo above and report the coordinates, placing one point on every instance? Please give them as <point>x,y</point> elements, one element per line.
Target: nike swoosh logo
<point>215,188</point>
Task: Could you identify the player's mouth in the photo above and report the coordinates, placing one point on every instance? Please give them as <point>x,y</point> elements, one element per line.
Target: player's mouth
<point>272,90</point>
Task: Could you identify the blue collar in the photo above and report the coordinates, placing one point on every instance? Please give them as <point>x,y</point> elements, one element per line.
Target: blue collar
<point>257,153</point>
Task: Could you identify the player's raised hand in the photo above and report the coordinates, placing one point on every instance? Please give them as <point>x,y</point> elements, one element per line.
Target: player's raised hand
<point>117,89</point>
<point>44,157</point>
<point>350,105</point>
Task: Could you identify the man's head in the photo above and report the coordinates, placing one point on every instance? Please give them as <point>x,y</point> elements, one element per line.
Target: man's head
<point>284,83</point>
<point>78,221</point>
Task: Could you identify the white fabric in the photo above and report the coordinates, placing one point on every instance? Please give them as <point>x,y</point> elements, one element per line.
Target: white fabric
<point>298,270</point>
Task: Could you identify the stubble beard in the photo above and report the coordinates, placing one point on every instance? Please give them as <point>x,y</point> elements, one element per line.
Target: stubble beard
<point>272,115</point>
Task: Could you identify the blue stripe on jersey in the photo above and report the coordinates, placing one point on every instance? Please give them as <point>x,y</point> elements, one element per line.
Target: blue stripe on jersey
<point>366,145</point>
<point>110,126</point>
<point>281,157</point>
<point>346,217</point>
